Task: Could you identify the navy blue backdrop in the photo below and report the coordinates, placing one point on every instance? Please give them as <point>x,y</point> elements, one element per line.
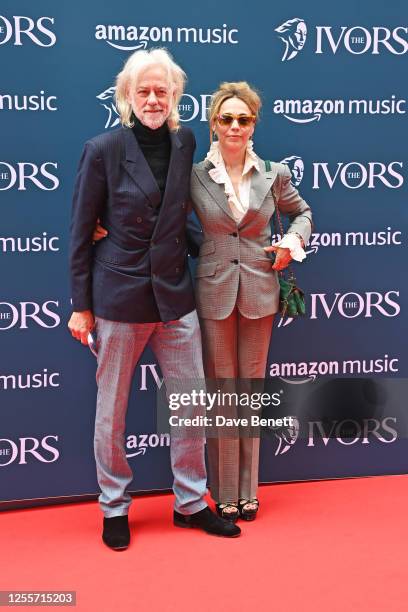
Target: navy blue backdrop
<point>331,79</point>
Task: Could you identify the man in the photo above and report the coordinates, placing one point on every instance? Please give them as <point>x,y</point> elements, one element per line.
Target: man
<point>134,286</point>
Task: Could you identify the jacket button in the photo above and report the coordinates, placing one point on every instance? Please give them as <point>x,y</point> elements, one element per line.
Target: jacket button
<point>235,261</point>
<point>139,219</point>
<point>183,205</point>
<point>234,234</point>
<point>177,240</point>
<point>177,270</point>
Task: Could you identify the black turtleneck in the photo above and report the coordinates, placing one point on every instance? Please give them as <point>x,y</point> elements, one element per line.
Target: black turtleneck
<point>156,147</point>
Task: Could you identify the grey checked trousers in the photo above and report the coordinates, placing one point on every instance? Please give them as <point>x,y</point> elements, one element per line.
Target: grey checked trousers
<point>177,347</point>
<point>235,348</point>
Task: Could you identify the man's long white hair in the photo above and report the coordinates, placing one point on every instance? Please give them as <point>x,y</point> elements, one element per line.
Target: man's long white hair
<point>128,77</point>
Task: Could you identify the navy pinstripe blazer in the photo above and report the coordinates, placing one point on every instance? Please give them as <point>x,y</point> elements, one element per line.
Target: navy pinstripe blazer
<point>139,273</point>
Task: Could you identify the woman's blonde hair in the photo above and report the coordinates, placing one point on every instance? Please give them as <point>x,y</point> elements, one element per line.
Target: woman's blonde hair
<point>240,90</point>
<point>128,77</point>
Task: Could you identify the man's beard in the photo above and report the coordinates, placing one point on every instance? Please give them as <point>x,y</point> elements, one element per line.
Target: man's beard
<point>153,120</point>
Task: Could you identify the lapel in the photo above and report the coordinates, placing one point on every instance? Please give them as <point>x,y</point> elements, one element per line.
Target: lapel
<point>138,168</point>
<point>261,184</point>
<point>214,189</point>
<point>177,166</point>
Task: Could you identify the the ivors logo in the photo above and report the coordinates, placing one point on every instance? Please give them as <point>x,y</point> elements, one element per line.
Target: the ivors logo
<point>28,450</point>
<point>19,30</point>
<point>26,314</point>
<point>22,175</point>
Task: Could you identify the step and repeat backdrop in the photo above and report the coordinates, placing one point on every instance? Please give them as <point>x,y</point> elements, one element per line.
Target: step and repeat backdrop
<point>335,108</point>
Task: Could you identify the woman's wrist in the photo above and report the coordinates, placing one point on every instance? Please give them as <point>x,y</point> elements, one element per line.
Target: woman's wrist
<point>295,243</point>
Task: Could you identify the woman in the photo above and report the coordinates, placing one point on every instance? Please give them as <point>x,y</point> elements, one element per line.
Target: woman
<point>237,287</point>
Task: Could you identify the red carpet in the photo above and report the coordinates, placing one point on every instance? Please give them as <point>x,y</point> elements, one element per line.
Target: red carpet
<point>333,546</point>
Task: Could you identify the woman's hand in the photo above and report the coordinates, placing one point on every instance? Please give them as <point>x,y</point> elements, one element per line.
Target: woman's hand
<point>283,257</point>
<point>99,232</point>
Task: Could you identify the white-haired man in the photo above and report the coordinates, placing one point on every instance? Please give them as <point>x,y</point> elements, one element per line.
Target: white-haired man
<point>134,287</point>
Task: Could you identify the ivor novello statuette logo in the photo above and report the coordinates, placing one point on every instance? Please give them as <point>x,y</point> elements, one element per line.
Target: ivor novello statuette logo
<point>296,167</point>
<point>108,102</point>
<point>286,436</point>
<point>133,37</point>
<point>293,33</point>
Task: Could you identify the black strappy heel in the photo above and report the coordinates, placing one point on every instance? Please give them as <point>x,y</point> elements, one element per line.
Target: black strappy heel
<point>225,512</point>
<point>248,514</point>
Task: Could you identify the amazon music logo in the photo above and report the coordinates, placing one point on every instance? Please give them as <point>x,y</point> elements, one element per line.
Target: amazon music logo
<point>140,443</point>
<point>318,240</point>
<point>306,111</point>
<point>133,37</point>
<point>304,371</point>
<point>30,244</point>
<point>28,102</point>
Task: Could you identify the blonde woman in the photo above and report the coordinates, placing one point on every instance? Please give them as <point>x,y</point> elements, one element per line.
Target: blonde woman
<point>237,288</point>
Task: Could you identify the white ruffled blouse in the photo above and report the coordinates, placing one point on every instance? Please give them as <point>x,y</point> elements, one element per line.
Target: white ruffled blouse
<point>239,205</point>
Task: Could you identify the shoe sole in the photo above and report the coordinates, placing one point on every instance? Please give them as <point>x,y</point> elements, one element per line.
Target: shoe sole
<point>115,547</point>
<point>230,520</point>
<point>219,535</point>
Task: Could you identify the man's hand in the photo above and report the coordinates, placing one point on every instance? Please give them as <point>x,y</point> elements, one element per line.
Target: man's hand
<point>99,232</point>
<point>283,257</point>
<point>80,324</point>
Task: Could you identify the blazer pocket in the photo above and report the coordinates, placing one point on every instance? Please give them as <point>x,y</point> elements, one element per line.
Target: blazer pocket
<point>207,248</point>
<point>206,269</point>
<point>262,263</point>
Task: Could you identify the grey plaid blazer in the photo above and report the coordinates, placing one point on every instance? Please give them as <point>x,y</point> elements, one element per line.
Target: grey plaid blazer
<point>233,269</point>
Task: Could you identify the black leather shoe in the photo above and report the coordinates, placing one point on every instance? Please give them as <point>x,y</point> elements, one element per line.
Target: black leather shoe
<point>116,532</point>
<point>207,521</point>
